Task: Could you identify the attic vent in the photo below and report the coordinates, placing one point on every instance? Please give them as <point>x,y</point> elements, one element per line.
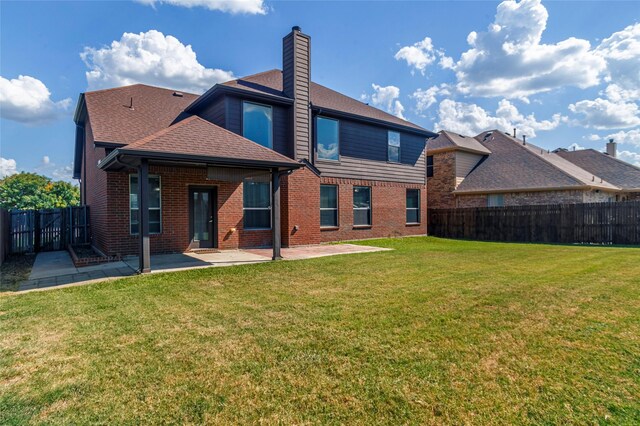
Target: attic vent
<point>462,136</point>
<point>178,94</point>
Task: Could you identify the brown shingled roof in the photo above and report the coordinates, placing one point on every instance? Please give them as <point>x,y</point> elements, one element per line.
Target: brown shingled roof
<point>450,141</point>
<point>270,83</point>
<point>197,137</point>
<point>616,171</point>
<point>112,119</point>
<point>513,166</point>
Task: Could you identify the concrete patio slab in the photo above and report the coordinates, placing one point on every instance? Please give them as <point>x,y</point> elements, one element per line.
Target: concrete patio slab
<point>54,269</point>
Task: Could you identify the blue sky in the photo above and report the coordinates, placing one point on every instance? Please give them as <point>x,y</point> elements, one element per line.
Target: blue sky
<point>564,73</point>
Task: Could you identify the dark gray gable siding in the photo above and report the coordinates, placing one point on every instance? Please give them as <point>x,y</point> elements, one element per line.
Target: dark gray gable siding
<point>215,112</point>
<point>363,155</point>
<point>296,72</point>
<point>281,129</point>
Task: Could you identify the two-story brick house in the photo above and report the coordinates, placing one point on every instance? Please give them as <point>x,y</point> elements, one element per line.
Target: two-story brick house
<point>267,160</point>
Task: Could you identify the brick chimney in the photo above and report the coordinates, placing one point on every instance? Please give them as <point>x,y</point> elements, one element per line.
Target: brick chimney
<point>296,79</point>
<point>611,148</point>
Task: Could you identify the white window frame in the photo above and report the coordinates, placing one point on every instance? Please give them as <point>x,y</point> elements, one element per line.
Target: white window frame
<point>399,146</point>
<point>336,209</point>
<point>413,208</point>
<point>318,142</point>
<point>257,208</point>
<point>270,130</point>
<point>150,208</point>
<point>364,208</point>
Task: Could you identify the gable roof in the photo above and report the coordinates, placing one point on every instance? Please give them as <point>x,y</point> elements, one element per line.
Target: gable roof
<point>114,121</point>
<point>447,141</point>
<point>515,166</point>
<point>197,139</point>
<point>270,83</point>
<point>618,172</point>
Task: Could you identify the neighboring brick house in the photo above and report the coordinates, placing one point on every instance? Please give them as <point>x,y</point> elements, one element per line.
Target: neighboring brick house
<point>267,160</point>
<point>496,169</point>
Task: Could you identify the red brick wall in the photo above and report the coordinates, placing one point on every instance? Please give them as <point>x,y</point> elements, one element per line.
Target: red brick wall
<point>388,211</point>
<point>175,236</point>
<point>300,198</point>
<point>443,182</point>
<point>94,191</point>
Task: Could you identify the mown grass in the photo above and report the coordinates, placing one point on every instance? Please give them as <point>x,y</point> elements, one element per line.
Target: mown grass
<point>436,331</point>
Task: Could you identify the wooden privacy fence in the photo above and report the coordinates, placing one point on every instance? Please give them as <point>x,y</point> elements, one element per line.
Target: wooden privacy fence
<point>593,223</point>
<point>46,230</point>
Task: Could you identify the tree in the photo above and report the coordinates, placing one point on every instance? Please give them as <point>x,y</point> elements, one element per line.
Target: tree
<point>32,191</point>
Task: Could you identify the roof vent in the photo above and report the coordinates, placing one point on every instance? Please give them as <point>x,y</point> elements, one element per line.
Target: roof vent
<point>178,94</point>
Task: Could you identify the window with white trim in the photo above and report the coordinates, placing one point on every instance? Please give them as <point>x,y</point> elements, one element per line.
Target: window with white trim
<point>413,206</point>
<point>155,205</point>
<point>362,206</point>
<point>328,206</point>
<point>256,197</point>
<point>393,142</point>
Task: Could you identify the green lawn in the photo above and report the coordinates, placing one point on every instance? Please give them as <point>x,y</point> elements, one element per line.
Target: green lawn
<point>436,331</point>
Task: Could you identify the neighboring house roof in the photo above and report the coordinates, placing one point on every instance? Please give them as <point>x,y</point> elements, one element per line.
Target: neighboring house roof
<point>618,172</point>
<point>125,114</point>
<point>270,83</point>
<point>515,166</point>
<point>196,139</point>
<point>448,141</point>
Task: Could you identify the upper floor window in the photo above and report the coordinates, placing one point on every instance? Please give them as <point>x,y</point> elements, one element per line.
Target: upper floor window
<point>257,123</point>
<point>328,137</point>
<point>155,210</point>
<point>429,165</point>
<point>393,140</point>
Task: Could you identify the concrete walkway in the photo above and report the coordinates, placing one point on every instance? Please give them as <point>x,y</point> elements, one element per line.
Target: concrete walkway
<point>52,269</point>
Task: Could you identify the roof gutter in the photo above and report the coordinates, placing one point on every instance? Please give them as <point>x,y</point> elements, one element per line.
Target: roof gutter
<point>114,157</point>
<point>455,148</point>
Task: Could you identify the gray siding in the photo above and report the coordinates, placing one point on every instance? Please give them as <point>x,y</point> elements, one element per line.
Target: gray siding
<point>465,162</point>
<point>281,129</point>
<point>363,155</point>
<point>215,112</point>
<point>296,72</point>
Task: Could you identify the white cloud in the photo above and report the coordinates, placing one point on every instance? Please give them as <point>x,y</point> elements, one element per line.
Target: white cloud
<point>604,114</point>
<point>427,97</point>
<point>508,59</point>
<point>419,55</point>
<point>574,146</point>
<point>8,167</point>
<point>150,58</point>
<point>46,159</point>
<point>630,157</point>
<point>592,137</point>
<point>55,171</point>
<point>471,119</point>
<point>631,137</point>
<point>251,7</point>
<point>622,53</point>
<point>27,100</point>
<point>387,98</point>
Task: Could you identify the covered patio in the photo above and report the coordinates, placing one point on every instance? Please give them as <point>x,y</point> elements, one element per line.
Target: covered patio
<point>196,143</point>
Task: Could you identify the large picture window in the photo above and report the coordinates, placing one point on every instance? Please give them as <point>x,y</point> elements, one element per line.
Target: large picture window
<point>361,206</point>
<point>328,206</point>
<point>393,141</point>
<point>155,208</point>
<point>328,137</point>
<point>257,123</point>
<point>256,204</point>
<point>413,206</point>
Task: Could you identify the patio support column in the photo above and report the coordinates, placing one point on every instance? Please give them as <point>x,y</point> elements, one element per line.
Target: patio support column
<point>275,214</point>
<point>143,216</point>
